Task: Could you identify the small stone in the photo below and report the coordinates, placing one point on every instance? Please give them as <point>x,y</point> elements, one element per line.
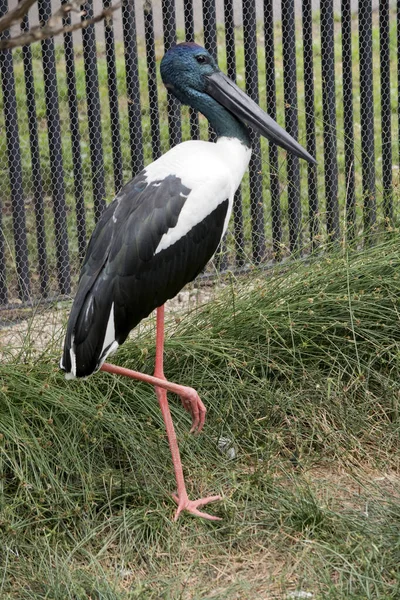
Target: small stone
<point>225,446</point>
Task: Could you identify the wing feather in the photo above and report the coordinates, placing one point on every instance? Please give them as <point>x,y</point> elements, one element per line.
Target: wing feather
<point>122,271</point>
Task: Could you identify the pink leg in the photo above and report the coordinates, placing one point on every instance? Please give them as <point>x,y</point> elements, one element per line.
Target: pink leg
<point>189,397</point>
<point>191,402</point>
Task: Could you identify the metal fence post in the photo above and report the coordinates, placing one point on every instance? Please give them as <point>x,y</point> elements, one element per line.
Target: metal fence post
<point>329,116</point>
<point>367,115</point>
<point>132,86</point>
<point>93,112</point>
<point>308,60</point>
<point>210,40</point>
<point>348,123</point>
<point>386,115</point>
<point>15,176</point>
<point>152,79</point>
<point>255,166</point>
<point>270,85</point>
<point>291,124</point>
<point>238,231</point>
<point>113,99</point>
<point>80,211</point>
<point>174,110</point>
<point>55,149</point>
<point>37,184</point>
<point>189,37</point>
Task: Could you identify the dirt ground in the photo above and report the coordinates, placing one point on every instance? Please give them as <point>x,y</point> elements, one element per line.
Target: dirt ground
<point>37,328</point>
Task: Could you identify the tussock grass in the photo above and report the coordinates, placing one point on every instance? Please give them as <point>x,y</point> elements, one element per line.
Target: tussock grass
<point>299,369</point>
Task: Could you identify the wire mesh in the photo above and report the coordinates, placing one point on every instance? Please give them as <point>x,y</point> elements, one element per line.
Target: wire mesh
<point>84,112</point>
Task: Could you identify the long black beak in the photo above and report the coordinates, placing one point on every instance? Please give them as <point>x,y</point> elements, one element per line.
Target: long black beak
<point>227,93</point>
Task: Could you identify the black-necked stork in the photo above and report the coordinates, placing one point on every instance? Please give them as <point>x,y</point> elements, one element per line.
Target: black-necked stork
<point>161,230</point>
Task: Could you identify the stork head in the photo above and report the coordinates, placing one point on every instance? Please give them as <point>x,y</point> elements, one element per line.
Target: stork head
<point>193,76</point>
<point>186,67</point>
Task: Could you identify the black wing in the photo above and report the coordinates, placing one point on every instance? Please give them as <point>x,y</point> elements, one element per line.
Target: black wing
<point>122,269</point>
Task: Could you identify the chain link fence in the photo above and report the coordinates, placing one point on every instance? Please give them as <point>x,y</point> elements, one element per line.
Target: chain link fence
<point>81,114</point>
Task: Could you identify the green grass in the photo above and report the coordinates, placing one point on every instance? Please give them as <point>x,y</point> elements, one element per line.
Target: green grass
<point>106,125</point>
<point>300,369</point>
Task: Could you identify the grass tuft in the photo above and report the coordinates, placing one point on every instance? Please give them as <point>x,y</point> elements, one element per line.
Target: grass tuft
<point>299,369</point>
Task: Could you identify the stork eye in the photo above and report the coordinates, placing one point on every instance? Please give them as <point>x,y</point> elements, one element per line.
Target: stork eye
<point>201,59</point>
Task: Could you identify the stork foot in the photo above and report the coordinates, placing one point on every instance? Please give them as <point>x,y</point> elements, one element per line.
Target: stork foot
<point>191,506</point>
<point>194,406</point>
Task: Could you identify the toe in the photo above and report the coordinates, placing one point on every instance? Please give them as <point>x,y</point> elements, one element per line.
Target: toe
<point>203,501</point>
<point>204,515</point>
<point>191,506</point>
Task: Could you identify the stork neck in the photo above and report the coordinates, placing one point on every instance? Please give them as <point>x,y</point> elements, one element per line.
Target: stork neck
<point>224,123</point>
